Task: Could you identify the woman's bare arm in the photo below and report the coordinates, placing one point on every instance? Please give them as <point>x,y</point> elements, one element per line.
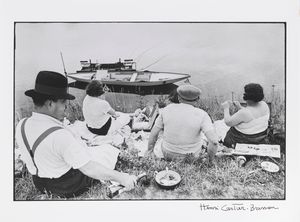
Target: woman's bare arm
<point>235,119</point>
<point>113,113</point>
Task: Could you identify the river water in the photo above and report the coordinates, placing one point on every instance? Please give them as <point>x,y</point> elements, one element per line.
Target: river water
<point>221,58</point>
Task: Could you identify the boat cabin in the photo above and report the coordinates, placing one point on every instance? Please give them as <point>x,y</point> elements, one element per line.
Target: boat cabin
<point>126,65</point>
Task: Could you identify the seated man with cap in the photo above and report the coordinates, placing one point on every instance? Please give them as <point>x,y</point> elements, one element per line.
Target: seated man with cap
<point>182,124</point>
<point>58,162</point>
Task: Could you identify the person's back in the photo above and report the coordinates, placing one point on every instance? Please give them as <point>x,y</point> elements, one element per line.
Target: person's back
<point>183,124</point>
<point>95,111</point>
<point>249,124</point>
<point>259,110</point>
<point>49,164</point>
<point>257,117</point>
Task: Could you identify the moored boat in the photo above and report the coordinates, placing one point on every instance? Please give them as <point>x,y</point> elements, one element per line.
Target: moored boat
<point>124,74</point>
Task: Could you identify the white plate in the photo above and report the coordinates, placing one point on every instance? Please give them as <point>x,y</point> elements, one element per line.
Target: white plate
<point>162,178</point>
<point>270,167</point>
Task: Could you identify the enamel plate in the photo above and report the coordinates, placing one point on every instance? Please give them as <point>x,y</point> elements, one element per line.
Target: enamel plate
<point>270,167</point>
<point>167,179</point>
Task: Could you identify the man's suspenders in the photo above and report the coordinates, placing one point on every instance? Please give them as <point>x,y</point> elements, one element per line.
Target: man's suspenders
<point>37,142</point>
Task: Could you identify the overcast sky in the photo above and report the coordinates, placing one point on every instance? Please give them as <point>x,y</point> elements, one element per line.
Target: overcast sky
<point>207,51</point>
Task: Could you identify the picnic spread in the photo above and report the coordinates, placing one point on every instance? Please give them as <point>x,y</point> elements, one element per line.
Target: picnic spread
<point>105,149</point>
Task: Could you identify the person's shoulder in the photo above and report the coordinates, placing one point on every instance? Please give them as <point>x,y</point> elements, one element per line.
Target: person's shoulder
<point>21,121</point>
<point>19,124</point>
<point>63,139</point>
<point>63,136</point>
<point>97,101</point>
<point>265,106</point>
<point>87,100</point>
<point>244,113</point>
<point>200,111</point>
<point>87,97</point>
<point>62,131</point>
<point>170,106</point>
<point>103,102</point>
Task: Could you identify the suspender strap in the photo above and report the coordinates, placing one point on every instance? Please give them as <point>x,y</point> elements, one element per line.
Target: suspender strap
<point>37,142</point>
<point>25,138</point>
<point>27,144</point>
<point>43,136</point>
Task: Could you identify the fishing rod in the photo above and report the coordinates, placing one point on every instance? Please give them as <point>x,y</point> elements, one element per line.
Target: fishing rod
<point>138,58</point>
<point>145,51</point>
<point>62,59</point>
<point>155,62</point>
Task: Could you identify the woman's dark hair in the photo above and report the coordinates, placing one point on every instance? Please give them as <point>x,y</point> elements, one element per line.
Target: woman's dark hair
<point>40,99</point>
<point>94,88</point>
<point>173,96</point>
<point>253,92</point>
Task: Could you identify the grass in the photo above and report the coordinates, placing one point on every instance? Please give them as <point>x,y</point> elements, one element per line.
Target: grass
<point>200,180</point>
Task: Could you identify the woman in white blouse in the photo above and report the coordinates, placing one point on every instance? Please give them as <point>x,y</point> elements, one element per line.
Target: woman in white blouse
<point>249,124</point>
<point>97,112</point>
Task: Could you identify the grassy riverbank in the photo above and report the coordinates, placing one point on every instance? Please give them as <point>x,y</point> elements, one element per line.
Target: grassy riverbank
<point>221,180</point>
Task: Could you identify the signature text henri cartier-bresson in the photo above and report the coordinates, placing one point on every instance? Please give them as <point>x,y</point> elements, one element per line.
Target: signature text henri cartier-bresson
<point>236,207</point>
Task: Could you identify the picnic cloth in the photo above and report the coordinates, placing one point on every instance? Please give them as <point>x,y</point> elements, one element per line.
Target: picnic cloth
<point>221,128</point>
<point>141,121</point>
<point>140,142</point>
<point>103,148</point>
<point>106,155</point>
<point>141,138</point>
<point>115,136</point>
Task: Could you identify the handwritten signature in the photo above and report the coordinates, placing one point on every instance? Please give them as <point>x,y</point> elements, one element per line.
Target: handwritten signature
<point>236,207</point>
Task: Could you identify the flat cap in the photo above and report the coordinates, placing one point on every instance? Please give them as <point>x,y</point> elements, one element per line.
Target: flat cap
<point>188,92</point>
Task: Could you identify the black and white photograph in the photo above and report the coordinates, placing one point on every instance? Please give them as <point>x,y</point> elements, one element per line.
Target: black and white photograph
<point>150,110</point>
<point>156,110</point>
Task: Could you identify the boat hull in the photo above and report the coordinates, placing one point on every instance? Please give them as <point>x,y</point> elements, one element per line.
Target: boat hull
<point>140,90</point>
<point>157,78</point>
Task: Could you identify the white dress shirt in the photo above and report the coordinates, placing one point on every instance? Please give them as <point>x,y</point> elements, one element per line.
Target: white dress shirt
<point>57,153</point>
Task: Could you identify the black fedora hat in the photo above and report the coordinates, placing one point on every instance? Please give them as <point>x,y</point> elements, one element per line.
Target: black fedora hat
<point>51,84</point>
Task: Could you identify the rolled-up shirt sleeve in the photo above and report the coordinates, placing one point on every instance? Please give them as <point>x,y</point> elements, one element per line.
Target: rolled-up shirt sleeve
<point>73,151</point>
<point>206,123</point>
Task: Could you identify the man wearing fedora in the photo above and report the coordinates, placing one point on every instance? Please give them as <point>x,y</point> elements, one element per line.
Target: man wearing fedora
<point>182,124</point>
<point>58,162</point>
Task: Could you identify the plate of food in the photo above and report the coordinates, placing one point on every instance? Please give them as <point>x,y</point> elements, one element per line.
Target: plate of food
<point>269,166</point>
<point>167,179</point>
